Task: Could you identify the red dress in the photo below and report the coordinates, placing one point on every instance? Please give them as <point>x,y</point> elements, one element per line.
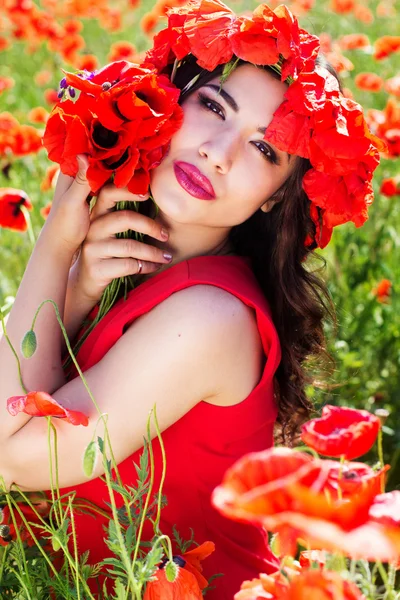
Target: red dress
<point>206,441</point>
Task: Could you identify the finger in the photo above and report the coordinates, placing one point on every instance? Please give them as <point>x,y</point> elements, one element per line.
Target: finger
<point>125,248</point>
<point>107,270</point>
<point>80,188</point>
<point>118,221</point>
<point>110,195</point>
<point>65,182</point>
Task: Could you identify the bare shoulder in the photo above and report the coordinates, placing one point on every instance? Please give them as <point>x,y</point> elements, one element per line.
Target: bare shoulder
<point>225,336</point>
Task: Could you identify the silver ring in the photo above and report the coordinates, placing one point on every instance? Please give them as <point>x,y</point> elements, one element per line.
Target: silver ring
<point>140,266</point>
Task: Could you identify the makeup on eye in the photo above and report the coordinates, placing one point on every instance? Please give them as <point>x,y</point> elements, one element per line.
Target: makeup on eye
<point>209,104</point>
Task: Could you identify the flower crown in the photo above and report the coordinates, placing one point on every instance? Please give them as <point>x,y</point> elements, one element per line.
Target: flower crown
<point>315,121</point>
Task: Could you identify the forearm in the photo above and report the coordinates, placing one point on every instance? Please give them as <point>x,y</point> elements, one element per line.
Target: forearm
<point>77,305</point>
<point>45,278</point>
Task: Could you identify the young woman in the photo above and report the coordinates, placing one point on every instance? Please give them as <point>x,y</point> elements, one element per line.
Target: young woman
<point>215,333</point>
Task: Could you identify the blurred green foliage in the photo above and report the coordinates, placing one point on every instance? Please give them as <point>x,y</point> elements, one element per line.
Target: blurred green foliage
<point>366,342</point>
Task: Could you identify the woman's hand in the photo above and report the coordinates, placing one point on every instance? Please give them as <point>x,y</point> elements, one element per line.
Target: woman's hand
<point>103,256</point>
<point>68,221</point>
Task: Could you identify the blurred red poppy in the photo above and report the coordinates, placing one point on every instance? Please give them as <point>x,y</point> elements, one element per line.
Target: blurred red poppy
<point>354,41</point>
<point>185,587</point>
<point>49,180</point>
<point>41,404</point>
<point>369,82</point>
<point>386,45</point>
<point>363,14</point>
<point>43,77</point>
<point>149,22</point>
<point>6,83</point>
<point>392,86</point>
<point>386,509</point>
<point>11,215</point>
<point>390,186</point>
<point>266,586</point>
<point>38,115</point>
<point>342,6</point>
<point>328,585</point>
<point>382,290</point>
<point>122,51</point>
<point>45,210</point>
<point>341,431</point>
<point>308,558</point>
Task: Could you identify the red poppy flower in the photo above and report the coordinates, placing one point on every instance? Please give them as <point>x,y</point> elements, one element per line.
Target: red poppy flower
<point>49,180</point>
<point>11,215</point>
<point>267,586</point>
<point>207,29</point>
<point>327,585</point>
<point>309,557</point>
<point>342,6</point>
<point>45,210</point>
<point>121,51</point>
<point>41,404</point>
<point>43,77</point>
<point>256,38</point>
<point>386,509</point>
<point>185,587</point>
<point>382,290</point>
<point>386,45</point>
<point>4,43</point>
<point>149,22</point>
<point>193,560</point>
<point>354,41</point>
<point>296,496</point>
<point>6,83</point>
<point>341,431</point>
<point>38,115</point>
<point>33,516</point>
<point>392,86</point>
<point>88,62</point>
<point>123,119</point>
<point>369,82</point>
<point>390,186</point>
<point>363,14</point>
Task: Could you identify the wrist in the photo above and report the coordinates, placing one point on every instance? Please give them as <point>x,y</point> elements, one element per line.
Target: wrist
<point>51,236</point>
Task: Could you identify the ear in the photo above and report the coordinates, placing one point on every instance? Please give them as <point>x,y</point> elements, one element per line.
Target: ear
<point>269,204</point>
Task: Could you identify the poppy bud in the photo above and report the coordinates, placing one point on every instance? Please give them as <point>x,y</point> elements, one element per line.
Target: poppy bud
<point>171,571</point>
<point>29,344</point>
<point>382,415</point>
<point>5,533</point>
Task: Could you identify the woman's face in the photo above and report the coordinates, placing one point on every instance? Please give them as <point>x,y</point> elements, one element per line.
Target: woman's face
<point>222,135</point>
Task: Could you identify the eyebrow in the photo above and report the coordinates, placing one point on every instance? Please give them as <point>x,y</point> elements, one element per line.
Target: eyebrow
<point>234,106</point>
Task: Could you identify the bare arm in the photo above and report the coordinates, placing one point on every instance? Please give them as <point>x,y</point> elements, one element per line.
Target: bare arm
<point>45,278</point>
<point>175,356</point>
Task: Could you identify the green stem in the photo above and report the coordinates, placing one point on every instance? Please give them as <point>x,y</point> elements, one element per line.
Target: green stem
<point>380,456</point>
<point>27,216</point>
<point>56,468</point>
<point>147,501</point>
<point>71,512</point>
<point>164,467</point>
<point>306,449</point>
<point>13,351</point>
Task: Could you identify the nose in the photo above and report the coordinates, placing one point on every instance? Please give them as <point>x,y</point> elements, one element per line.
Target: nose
<point>221,151</point>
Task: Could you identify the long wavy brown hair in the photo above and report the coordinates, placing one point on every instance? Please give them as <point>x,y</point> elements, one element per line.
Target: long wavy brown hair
<point>298,297</point>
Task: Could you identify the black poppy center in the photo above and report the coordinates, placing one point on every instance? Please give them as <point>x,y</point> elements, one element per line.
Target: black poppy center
<point>141,96</point>
<point>120,161</point>
<point>103,137</point>
<point>17,206</point>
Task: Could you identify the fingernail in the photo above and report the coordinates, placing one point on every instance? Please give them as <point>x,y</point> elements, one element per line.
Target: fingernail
<point>167,256</point>
<point>164,233</point>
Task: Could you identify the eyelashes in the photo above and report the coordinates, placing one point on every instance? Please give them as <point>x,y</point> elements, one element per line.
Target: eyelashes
<point>212,106</point>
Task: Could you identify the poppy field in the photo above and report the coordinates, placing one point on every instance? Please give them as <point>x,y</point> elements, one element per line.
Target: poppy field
<point>321,514</point>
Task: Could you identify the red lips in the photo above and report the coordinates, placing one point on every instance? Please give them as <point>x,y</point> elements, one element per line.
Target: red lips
<point>196,176</point>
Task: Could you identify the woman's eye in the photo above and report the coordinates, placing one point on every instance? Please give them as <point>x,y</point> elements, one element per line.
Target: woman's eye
<point>210,105</point>
<point>266,152</point>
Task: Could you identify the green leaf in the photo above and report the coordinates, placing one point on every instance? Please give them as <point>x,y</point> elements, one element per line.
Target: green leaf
<point>89,458</point>
<point>29,344</point>
<point>171,571</point>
